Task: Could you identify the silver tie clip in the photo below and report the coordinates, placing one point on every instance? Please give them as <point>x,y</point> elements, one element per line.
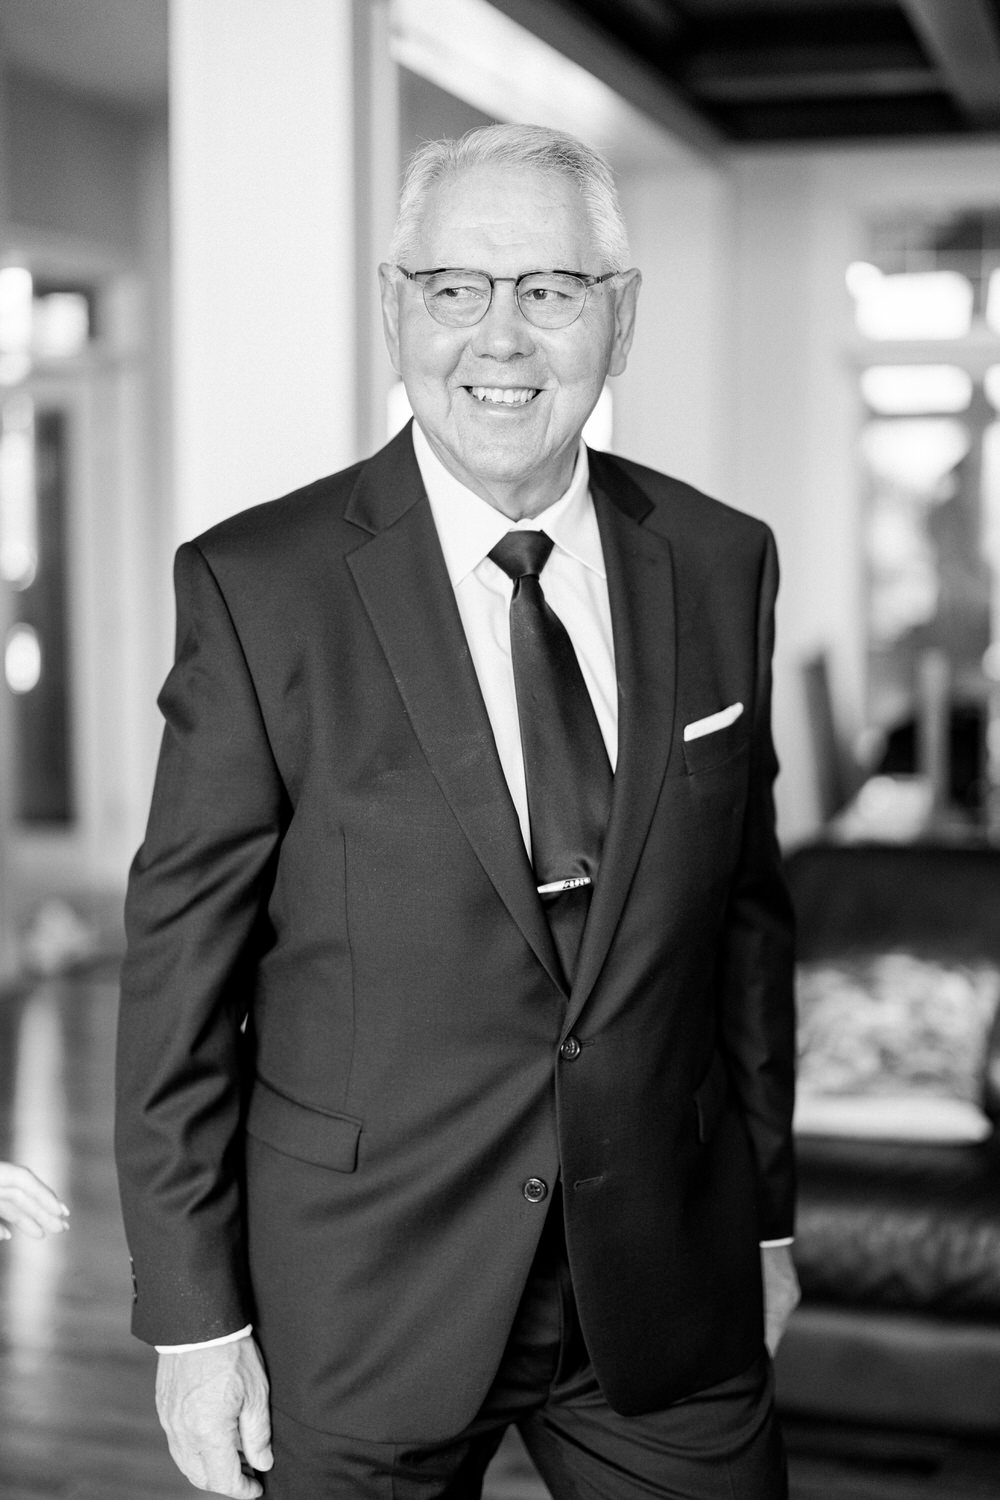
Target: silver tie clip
<point>570,884</point>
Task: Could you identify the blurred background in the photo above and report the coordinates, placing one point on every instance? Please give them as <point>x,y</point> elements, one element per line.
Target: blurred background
<point>193,198</point>
<point>194,195</point>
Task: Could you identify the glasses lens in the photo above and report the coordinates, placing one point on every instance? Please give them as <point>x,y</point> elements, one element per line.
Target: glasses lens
<point>457,298</point>
<point>550,299</point>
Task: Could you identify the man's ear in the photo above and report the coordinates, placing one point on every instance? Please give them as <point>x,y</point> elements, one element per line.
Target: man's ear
<point>626,296</point>
<point>389,290</point>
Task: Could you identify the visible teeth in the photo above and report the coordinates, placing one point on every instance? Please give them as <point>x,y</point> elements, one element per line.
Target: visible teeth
<point>505,395</point>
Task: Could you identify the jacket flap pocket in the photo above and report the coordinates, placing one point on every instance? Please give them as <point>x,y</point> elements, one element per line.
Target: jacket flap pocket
<point>710,1097</point>
<point>312,1135</point>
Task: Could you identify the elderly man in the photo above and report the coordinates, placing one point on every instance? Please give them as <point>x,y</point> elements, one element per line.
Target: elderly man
<point>456,1033</point>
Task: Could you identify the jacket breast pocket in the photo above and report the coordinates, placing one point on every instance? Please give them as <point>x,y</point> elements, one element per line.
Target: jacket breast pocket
<point>310,1135</point>
<point>714,749</point>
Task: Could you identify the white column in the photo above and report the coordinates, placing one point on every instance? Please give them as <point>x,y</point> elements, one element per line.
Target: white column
<point>263,98</point>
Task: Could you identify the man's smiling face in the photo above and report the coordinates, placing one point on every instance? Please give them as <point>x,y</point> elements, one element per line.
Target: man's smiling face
<point>503,403</point>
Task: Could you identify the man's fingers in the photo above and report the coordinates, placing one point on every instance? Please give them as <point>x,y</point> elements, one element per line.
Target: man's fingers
<point>213,1401</point>
<point>224,1474</point>
<point>781,1292</point>
<point>211,1463</point>
<point>216,1468</point>
<point>255,1435</point>
<point>774,1330</point>
<point>255,1414</point>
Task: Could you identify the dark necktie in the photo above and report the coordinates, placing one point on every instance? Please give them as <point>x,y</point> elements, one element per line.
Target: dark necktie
<point>566,765</point>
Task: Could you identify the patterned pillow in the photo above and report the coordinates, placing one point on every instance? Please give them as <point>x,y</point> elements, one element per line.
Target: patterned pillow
<point>894,1046</point>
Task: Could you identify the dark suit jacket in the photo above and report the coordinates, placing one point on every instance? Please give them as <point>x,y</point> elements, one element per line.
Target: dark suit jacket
<point>342,1012</point>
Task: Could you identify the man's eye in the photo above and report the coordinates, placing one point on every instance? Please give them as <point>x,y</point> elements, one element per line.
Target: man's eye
<point>543,295</point>
<point>458,294</point>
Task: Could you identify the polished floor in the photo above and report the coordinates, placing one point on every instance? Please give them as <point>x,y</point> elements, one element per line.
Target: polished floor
<point>76,1408</point>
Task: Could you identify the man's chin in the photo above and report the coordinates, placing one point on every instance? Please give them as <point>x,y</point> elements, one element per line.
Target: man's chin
<point>503,464</point>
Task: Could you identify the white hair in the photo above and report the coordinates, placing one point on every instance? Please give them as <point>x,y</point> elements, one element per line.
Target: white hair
<point>528,147</point>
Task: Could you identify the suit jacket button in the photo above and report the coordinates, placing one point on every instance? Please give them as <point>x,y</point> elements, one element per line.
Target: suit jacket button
<point>570,1048</point>
<point>535,1190</point>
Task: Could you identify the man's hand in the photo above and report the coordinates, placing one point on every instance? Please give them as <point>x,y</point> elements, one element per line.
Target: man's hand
<point>781,1292</point>
<point>28,1205</point>
<point>212,1404</point>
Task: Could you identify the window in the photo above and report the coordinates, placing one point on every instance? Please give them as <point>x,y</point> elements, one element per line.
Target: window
<point>927,309</point>
<point>42,324</point>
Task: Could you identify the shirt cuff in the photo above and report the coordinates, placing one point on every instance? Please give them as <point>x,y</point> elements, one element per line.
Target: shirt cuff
<point>227,1338</point>
<point>776,1244</point>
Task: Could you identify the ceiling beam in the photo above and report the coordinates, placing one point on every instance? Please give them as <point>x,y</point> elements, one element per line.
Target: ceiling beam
<point>777,62</point>
<point>659,20</point>
<point>845,71</point>
<point>634,80</point>
<point>882,83</point>
<point>963,40</point>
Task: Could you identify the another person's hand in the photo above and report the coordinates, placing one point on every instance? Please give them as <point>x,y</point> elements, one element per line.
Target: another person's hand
<point>26,1204</point>
<point>213,1405</point>
<point>781,1292</point>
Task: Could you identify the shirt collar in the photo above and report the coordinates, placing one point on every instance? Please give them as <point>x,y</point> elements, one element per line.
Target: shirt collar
<point>469,527</point>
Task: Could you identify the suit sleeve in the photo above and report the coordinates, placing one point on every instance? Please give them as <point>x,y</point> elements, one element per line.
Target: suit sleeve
<point>194,918</point>
<point>758,1005</point>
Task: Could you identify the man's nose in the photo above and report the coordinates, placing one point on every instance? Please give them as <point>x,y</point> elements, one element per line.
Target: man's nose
<point>504,332</point>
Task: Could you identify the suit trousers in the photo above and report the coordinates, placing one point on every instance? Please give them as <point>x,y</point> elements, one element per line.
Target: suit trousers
<point>721,1444</point>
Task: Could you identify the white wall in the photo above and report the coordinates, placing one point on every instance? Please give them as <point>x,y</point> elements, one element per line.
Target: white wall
<point>73,163</point>
<point>671,404</point>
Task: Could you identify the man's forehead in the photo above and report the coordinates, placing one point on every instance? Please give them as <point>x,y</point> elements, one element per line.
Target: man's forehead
<point>513,207</point>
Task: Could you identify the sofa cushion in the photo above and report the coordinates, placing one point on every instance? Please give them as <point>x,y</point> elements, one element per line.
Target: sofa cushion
<point>895,1045</point>
<point>896,1371</point>
<point>892,1225</point>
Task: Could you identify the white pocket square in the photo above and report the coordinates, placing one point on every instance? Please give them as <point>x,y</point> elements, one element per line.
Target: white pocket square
<point>721,720</point>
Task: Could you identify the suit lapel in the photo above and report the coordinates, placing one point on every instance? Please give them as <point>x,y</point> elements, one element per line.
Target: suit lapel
<point>403,582</point>
<point>639,566</point>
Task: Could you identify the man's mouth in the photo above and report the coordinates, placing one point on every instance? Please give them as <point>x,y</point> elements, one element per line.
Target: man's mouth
<point>509,395</point>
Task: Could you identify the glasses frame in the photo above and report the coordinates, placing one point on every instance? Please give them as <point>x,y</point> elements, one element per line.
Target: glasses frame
<point>419,277</point>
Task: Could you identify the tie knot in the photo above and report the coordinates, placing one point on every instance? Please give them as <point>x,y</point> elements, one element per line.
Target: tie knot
<point>522,552</point>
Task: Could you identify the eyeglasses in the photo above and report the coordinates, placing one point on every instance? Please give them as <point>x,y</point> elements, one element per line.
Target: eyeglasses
<point>548,299</point>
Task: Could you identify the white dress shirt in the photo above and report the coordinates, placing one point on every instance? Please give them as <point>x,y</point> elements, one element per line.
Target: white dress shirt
<point>574,583</point>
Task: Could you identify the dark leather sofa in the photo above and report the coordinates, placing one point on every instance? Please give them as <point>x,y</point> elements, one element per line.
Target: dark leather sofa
<point>898,1243</point>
